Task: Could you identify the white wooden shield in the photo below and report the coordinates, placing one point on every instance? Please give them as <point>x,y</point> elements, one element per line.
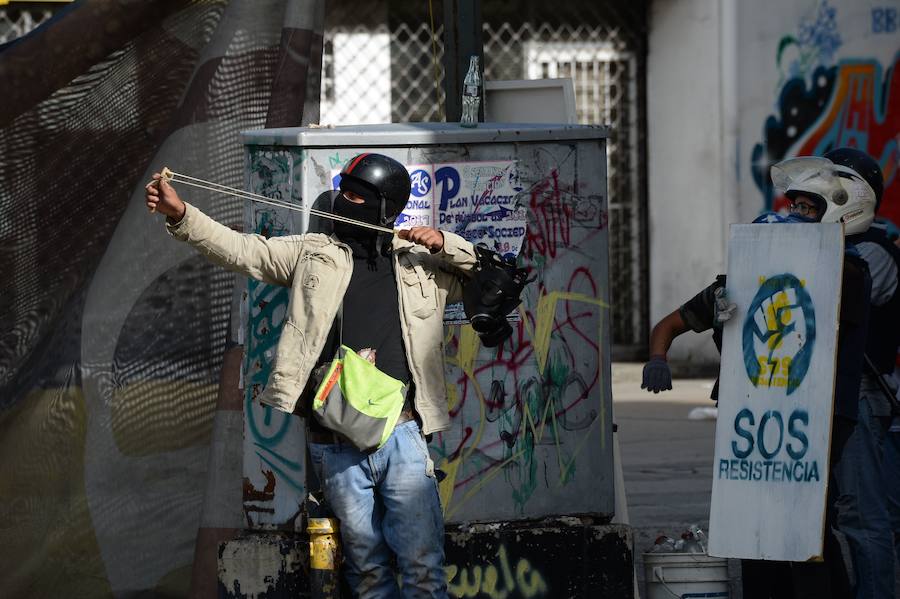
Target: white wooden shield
<point>770,473</point>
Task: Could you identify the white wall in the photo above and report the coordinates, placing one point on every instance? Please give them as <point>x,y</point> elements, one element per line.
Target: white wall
<point>685,153</point>
<point>362,68</point>
<point>717,72</point>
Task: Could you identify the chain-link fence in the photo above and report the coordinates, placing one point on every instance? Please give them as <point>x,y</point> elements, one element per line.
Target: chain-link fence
<point>17,22</point>
<point>605,76</point>
<point>601,46</point>
<point>384,63</point>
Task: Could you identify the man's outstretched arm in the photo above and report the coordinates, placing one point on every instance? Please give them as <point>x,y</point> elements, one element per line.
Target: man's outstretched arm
<point>269,260</point>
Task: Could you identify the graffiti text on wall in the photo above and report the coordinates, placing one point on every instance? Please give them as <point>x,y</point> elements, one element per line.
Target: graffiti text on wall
<point>532,395</point>
<point>528,411</point>
<point>498,580</point>
<point>476,200</point>
<point>267,430</point>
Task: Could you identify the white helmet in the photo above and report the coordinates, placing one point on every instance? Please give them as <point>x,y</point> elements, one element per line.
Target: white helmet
<point>843,194</point>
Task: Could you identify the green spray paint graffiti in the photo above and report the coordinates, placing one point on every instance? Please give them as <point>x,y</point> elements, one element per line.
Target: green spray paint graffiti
<point>541,402</point>
<point>272,175</point>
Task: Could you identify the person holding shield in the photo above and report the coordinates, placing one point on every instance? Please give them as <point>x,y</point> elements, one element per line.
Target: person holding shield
<point>805,182</point>
<point>846,185</point>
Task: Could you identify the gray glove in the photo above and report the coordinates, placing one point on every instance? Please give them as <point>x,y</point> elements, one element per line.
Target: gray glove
<point>657,376</point>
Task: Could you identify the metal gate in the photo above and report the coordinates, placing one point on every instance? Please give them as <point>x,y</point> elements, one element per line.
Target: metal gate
<point>601,46</point>
<point>605,92</point>
<point>386,65</point>
<point>383,62</point>
<point>16,22</point>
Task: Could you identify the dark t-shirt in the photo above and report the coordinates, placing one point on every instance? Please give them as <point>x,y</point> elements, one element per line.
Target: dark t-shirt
<point>883,259</point>
<point>372,315</point>
<point>856,288</point>
<point>371,318</point>
<point>699,314</point>
<point>699,311</point>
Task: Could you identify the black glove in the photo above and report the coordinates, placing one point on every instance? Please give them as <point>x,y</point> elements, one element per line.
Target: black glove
<point>657,376</point>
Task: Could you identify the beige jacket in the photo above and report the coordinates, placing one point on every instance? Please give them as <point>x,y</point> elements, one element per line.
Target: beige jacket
<point>317,270</point>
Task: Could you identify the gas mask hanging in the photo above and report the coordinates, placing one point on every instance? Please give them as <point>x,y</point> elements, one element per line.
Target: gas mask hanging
<point>491,294</point>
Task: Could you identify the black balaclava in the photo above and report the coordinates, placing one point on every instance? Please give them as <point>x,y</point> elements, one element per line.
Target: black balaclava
<point>363,241</point>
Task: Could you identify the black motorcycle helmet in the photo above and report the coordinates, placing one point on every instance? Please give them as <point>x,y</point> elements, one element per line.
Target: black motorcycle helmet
<point>382,175</point>
<point>863,164</point>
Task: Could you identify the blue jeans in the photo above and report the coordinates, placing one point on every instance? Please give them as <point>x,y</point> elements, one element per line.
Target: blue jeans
<point>891,469</point>
<point>861,510</point>
<point>388,504</point>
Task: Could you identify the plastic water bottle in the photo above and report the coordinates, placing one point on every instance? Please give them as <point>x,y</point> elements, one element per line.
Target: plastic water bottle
<point>471,95</point>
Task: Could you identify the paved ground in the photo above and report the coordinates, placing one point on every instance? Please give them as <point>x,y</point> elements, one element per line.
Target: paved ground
<point>667,461</point>
<point>666,458</point>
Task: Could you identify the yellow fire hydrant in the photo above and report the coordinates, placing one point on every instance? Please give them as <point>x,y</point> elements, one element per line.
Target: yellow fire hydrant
<point>324,558</point>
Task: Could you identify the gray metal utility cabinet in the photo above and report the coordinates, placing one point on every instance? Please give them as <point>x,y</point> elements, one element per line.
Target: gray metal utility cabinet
<point>532,431</point>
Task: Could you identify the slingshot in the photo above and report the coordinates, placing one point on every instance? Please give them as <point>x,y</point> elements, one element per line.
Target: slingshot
<point>173,177</point>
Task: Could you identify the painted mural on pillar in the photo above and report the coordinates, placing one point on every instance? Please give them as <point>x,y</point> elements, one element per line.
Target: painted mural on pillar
<point>825,103</point>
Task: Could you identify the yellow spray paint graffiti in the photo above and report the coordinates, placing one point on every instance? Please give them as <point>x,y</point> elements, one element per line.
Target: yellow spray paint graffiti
<point>774,371</point>
<point>546,313</point>
<point>467,350</point>
<point>779,333</point>
<point>500,581</point>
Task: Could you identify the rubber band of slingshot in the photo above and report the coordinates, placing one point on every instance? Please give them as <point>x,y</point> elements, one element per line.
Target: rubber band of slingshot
<point>173,177</point>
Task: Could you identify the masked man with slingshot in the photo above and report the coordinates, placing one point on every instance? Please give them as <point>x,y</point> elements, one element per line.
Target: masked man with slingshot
<point>373,288</point>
